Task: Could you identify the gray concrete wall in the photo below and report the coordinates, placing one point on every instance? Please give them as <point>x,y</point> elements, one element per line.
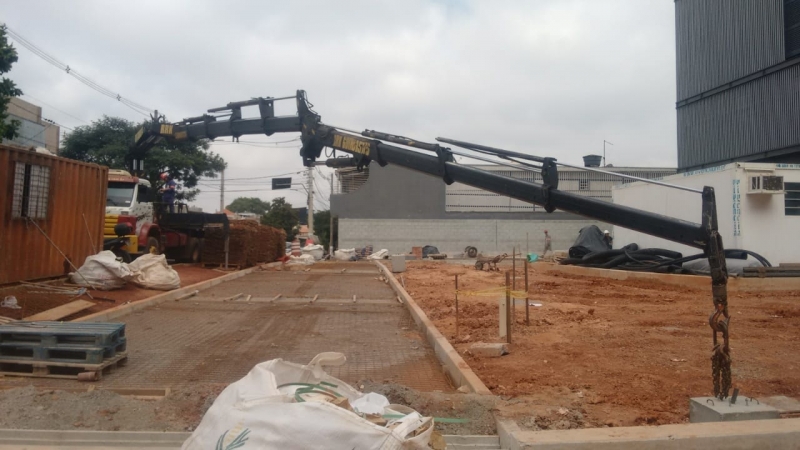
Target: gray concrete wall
<point>453,235</point>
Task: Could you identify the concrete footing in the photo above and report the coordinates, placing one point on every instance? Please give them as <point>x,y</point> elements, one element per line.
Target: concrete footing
<point>744,435</point>
<point>711,409</point>
<point>488,350</point>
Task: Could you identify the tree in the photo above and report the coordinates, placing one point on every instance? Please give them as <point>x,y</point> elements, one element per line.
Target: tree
<point>8,56</point>
<point>322,227</point>
<point>280,215</point>
<point>107,141</point>
<point>249,204</point>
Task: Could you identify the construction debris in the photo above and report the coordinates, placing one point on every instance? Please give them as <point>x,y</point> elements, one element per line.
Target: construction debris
<point>249,243</point>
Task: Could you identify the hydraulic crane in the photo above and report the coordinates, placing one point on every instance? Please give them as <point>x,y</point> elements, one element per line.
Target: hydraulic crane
<point>433,159</point>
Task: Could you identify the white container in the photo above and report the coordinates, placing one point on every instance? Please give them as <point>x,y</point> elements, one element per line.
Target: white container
<point>398,263</point>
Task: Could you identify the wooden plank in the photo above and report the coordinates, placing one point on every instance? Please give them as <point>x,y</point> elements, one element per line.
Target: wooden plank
<point>62,311</point>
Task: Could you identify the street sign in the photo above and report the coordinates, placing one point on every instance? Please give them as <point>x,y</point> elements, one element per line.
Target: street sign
<point>281,183</point>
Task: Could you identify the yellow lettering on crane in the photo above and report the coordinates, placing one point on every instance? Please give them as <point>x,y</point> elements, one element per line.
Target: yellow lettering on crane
<point>351,144</point>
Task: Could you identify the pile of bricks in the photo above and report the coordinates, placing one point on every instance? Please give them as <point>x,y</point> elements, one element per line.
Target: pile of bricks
<point>250,243</point>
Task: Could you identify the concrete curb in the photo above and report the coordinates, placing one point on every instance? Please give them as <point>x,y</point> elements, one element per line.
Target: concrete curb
<point>740,284</point>
<point>73,439</point>
<point>122,310</point>
<point>457,369</point>
<point>778,433</point>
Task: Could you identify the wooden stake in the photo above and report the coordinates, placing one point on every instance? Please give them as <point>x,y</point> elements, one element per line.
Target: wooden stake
<point>457,306</point>
<point>527,307</point>
<point>508,307</point>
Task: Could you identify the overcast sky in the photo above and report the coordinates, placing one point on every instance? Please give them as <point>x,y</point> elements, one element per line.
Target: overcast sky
<point>547,77</point>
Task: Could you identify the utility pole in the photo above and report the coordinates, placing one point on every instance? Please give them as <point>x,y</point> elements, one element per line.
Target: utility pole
<point>330,230</point>
<point>222,192</point>
<point>604,151</point>
<point>310,190</point>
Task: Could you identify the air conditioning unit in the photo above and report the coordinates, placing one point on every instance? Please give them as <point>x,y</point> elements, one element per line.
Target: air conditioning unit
<point>765,184</point>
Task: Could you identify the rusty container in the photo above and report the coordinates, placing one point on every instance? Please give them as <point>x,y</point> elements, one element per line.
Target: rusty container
<point>64,197</point>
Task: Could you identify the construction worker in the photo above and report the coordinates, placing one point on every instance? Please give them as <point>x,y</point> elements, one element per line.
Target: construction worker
<point>547,245</point>
<point>608,239</point>
<point>168,191</point>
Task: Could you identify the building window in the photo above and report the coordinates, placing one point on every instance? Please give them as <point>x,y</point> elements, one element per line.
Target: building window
<point>792,198</point>
<point>583,185</point>
<point>31,189</point>
<point>791,22</point>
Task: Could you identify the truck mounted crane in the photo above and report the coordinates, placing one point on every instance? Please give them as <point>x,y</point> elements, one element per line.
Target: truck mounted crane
<point>436,160</point>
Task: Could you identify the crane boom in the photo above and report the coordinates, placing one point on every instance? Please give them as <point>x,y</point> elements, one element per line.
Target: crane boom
<point>435,160</point>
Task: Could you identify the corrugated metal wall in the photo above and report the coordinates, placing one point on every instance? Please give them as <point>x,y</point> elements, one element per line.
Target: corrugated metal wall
<point>747,120</point>
<point>719,41</point>
<point>74,190</point>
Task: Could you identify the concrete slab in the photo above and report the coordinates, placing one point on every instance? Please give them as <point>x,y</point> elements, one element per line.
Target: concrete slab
<point>203,340</point>
<point>711,409</point>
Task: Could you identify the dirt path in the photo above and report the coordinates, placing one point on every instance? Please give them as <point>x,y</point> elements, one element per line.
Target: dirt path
<point>606,352</point>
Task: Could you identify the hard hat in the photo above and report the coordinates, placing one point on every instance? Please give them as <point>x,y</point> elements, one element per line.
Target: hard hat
<point>605,232</point>
<point>164,176</point>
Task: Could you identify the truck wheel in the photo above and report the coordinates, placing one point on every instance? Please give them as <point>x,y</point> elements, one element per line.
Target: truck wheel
<point>153,242</point>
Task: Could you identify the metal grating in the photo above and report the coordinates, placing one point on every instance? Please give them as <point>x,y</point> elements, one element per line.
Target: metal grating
<point>31,190</point>
<point>741,122</point>
<point>350,180</point>
<point>791,20</point>
<point>720,41</point>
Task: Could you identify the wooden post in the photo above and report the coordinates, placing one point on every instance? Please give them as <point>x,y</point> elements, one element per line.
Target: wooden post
<point>508,307</point>
<point>527,313</point>
<point>457,306</point>
<point>514,267</point>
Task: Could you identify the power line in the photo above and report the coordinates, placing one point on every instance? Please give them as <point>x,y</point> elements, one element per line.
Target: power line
<point>70,71</point>
<point>252,178</point>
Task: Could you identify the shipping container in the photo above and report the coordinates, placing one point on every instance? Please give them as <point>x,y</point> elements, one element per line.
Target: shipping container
<point>48,206</point>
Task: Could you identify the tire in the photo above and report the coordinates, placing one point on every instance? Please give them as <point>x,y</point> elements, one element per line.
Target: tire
<point>479,265</point>
<point>471,252</point>
<point>153,242</point>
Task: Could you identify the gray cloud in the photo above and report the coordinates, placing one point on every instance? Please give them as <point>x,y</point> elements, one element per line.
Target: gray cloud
<point>545,77</point>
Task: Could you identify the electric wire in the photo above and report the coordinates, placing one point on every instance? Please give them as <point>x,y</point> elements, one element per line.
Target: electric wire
<point>144,110</point>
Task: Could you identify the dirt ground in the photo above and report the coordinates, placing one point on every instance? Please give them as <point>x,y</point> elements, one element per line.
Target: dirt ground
<point>601,352</point>
<point>45,409</point>
<point>34,300</point>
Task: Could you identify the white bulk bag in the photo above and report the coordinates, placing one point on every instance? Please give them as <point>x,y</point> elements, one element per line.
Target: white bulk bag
<point>317,251</point>
<point>101,271</point>
<point>380,254</point>
<point>344,254</point>
<point>152,272</point>
<point>260,412</point>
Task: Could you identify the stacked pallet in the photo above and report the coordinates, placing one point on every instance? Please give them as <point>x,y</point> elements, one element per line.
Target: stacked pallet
<point>61,349</point>
<point>250,243</point>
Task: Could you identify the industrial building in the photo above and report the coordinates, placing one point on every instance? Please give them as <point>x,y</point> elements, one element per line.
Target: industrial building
<point>738,88</point>
<point>397,209</point>
<point>34,130</point>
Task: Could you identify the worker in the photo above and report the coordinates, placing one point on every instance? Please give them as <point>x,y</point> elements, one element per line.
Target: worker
<point>547,245</point>
<point>168,191</point>
<point>608,239</point>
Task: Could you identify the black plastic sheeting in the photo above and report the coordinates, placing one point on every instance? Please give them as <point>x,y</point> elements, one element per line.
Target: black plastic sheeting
<point>631,257</point>
<point>429,250</point>
<point>590,240</point>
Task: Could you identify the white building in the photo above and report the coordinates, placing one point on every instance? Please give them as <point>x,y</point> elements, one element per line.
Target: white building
<point>758,207</point>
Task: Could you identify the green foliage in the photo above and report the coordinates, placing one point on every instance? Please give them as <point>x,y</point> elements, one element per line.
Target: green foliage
<point>249,204</point>
<point>281,215</point>
<point>322,227</point>
<point>107,141</point>
<point>8,56</point>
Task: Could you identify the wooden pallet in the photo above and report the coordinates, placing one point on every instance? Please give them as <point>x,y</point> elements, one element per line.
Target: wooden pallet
<point>51,369</point>
<point>82,354</point>
<point>95,334</point>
